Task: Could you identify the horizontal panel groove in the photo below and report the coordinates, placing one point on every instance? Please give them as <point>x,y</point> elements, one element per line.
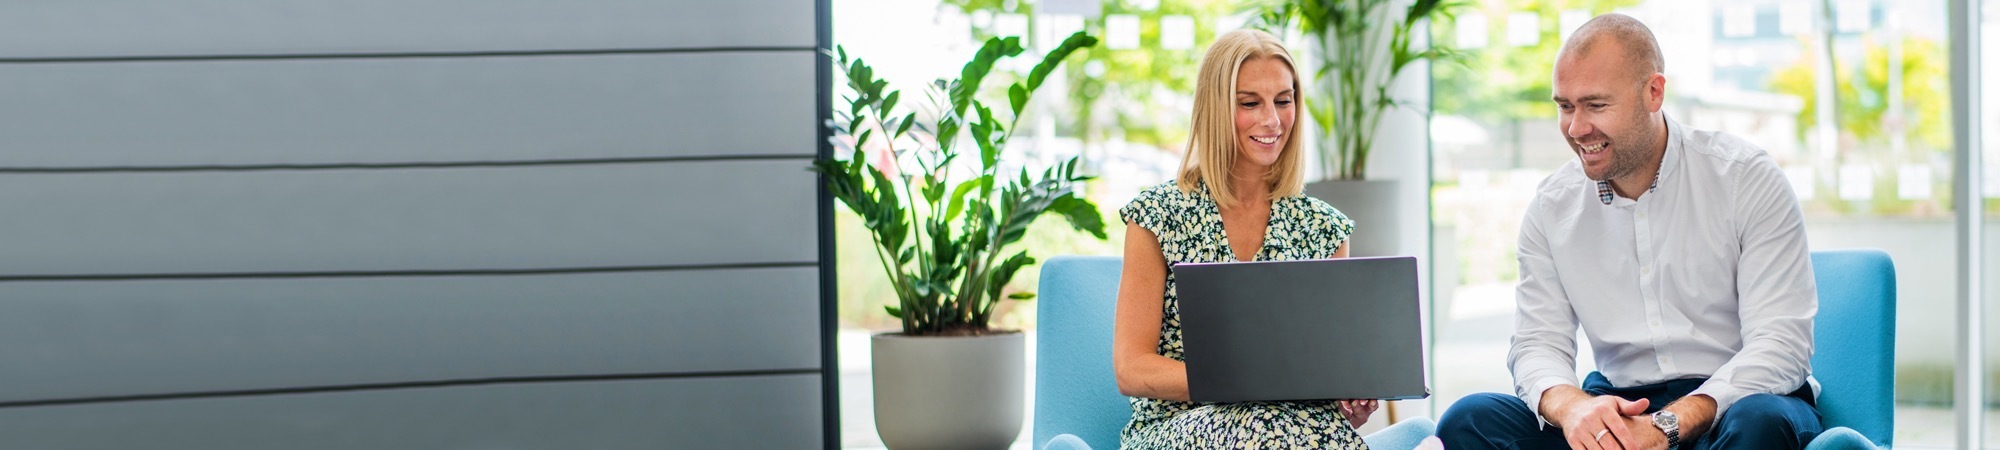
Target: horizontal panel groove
<point>407,165</point>
<point>89,339</point>
<point>501,220</point>
<point>410,385</point>
<point>402,273</point>
<point>777,412</point>
<point>327,113</point>
<point>395,55</point>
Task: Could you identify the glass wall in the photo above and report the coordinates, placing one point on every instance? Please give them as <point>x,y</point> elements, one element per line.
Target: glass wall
<point>1872,171</point>
<point>1989,125</point>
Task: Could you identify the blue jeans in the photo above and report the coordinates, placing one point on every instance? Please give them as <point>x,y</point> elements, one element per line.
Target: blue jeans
<point>1760,421</point>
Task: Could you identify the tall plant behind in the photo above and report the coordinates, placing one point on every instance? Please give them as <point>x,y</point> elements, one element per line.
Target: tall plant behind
<point>1359,60</point>
<point>940,237</point>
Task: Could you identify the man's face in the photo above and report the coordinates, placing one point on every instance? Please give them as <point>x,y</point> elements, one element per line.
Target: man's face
<point>1605,105</point>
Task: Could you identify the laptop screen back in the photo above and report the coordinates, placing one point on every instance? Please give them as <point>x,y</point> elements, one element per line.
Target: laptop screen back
<point>1302,330</point>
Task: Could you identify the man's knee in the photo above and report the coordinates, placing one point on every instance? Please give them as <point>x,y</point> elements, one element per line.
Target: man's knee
<point>1772,420</point>
<point>1493,421</point>
<point>1481,408</point>
<point>1760,411</point>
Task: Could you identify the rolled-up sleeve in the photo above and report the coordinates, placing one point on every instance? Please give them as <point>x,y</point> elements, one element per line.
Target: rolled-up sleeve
<point>1775,292</point>
<point>1543,350</point>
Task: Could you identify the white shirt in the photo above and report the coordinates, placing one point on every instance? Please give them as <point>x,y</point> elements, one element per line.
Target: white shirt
<point>1705,275</point>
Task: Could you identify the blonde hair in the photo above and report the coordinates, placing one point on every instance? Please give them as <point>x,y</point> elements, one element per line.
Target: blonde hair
<point>1211,148</point>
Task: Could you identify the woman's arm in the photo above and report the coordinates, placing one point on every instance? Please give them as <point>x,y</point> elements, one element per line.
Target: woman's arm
<point>1142,286</point>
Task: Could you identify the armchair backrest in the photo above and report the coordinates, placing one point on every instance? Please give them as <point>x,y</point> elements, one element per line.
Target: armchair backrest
<point>1854,341</point>
<point>1075,390</point>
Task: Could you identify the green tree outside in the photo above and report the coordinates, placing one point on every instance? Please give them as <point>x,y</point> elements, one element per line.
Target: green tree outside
<point>1139,93</point>
<point>1863,94</point>
<point>1500,82</point>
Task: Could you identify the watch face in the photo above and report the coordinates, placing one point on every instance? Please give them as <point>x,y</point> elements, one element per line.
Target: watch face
<point>1665,419</point>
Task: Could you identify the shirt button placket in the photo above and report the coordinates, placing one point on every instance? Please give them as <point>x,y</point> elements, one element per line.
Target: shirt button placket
<point>1642,233</point>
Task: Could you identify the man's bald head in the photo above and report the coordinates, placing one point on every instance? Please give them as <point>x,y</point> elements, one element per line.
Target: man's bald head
<point>1623,35</point>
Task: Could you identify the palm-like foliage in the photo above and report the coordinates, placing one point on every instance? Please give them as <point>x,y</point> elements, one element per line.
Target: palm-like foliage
<point>941,239</point>
<point>1361,65</point>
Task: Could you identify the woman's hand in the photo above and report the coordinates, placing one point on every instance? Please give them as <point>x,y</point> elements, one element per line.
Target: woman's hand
<point>1357,411</point>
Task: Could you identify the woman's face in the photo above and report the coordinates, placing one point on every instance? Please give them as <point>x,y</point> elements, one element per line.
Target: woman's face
<point>1264,110</point>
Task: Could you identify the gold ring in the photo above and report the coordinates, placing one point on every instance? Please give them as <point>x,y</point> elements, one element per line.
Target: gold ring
<point>1600,434</point>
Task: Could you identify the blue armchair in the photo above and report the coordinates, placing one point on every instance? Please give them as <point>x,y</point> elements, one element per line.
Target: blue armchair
<point>1854,348</point>
<point>1077,405</point>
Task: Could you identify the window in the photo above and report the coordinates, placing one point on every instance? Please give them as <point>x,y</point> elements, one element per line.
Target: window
<point>1875,171</point>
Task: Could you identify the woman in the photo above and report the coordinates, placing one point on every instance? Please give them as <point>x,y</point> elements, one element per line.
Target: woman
<point>1237,198</point>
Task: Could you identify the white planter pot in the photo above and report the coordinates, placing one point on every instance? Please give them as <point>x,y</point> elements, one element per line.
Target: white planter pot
<point>948,392</point>
<point>1372,204</point>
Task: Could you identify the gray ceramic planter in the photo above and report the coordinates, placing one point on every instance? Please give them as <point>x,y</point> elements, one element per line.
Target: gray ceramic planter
<point>948,392</point>
<point>1371,204</point>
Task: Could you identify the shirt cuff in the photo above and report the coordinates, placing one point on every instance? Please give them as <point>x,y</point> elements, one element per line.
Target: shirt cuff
<point>1723,393</point>
<point>1532,395</point>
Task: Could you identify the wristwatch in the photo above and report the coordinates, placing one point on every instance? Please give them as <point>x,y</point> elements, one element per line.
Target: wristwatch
<point>1670,424</point>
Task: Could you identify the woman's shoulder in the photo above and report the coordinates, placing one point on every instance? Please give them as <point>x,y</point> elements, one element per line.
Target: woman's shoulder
<point>1163,196</point>
<point>1315,214</point>
<point>1168,190</point>
<point>1313,208</point>
<point>1155,207</point>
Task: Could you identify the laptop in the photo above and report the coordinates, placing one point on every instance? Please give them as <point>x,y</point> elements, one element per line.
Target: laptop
<point>1302,330</point>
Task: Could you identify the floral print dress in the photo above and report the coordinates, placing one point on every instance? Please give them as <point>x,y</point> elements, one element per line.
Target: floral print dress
<point>1189,227</point>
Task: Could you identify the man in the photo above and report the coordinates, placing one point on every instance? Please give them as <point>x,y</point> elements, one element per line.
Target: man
<point>1681,253</point>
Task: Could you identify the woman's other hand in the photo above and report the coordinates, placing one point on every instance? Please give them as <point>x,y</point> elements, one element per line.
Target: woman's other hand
<point>1357,411</point>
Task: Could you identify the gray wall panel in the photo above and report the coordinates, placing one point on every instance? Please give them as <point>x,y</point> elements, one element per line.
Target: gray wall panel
<point>722,212</point>
<point>203,27</point>
<point>66,340</point>
<point>406,110</point>
<point>780,412</point>
<point>319,224</point>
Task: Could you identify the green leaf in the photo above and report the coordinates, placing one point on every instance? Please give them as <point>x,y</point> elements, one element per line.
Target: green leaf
<point>988,152</point>
<point>893,123</point>
<point>1082,214</point>
<point>1418,10</point>
<point>1018,97</point>
<point>1055,57</point>
<point>1004,273</point>
<point>982,135</point>
<point>975,71</point>
<point>889,103</point>
<point>893,311</point>
<point>957,204</point>
<point>883,192</point>
<point>1022,296</point>
<point>933,192</point>
<point>907,122</point>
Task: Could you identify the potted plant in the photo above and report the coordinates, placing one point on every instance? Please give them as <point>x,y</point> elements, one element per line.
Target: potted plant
<point>942,227</point>
<point>1360,59</point>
